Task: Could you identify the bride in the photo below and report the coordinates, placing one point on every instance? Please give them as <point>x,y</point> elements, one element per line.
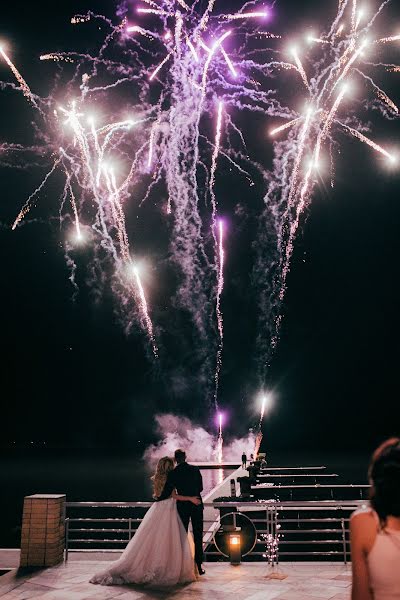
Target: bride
<point>159,553</point>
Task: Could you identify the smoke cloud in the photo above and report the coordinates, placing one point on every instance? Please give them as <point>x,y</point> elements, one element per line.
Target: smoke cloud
<point>200,445</point>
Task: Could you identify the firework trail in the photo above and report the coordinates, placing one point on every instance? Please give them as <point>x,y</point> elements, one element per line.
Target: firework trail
<point>220,440</point>
<point>29,203</point>
<point>75,209</point>
<point>335,60</point>
<point>217,146</point>
<point>219,243</point>
<point>259,435</point>
<point>300,68</point>
<point>145,310</point>
<point>220,289</point>
<point>24,86</point>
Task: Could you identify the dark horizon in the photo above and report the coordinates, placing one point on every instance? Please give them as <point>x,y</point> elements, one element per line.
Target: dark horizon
<point>73,378</point>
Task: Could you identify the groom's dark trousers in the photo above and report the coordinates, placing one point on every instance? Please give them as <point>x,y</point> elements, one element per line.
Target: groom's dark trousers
<point>188,511</point>
<point>187,480</point>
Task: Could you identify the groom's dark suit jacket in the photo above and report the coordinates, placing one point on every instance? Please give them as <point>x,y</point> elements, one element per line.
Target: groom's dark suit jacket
<point>186,479</point>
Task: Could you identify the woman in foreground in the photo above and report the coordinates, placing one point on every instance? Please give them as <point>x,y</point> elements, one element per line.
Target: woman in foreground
<point>375,532</point>
<point>159,553</point>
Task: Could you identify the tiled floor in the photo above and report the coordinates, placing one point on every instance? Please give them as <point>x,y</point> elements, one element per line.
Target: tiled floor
<point>249,581</point>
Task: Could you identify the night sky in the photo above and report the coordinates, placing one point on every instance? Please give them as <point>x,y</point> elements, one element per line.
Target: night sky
<point>70,375</point>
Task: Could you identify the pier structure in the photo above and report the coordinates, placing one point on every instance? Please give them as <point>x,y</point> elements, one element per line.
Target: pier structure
<point>311,508</point>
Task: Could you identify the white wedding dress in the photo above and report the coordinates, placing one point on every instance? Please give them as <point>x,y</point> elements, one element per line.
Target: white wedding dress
<point>158,555</point>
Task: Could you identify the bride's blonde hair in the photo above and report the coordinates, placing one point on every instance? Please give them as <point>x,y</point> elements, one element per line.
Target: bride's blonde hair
<point>164,466</point>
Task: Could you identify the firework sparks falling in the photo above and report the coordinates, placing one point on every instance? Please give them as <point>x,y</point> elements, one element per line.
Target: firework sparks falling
<point>334,62</point>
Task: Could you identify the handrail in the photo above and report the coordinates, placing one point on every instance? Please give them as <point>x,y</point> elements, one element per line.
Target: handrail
<point>271,529</point>
<point>313,475</point>
<point>268,486</point>
<point>110,504</point>
<point>263,469</point>
<point>260,504</point>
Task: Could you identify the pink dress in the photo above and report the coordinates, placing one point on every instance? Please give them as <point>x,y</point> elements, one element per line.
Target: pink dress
<point>384,565</point>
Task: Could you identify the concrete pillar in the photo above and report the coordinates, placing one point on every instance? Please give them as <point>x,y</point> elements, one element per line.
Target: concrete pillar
<point>43,530</point>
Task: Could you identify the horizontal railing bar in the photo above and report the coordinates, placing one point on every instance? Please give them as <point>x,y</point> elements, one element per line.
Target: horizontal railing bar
<point>282,531</point>
<point>103,550</point>
<point>282,521</point>
<point>314,553</point>
<point>293,504</point>
<point>265,469</point>
<point>260,504</point>
<point>299,475</point>
<point>87,520</point>
<point>349,486</point>
<point>101,530</point>
<point>326,520</point>
<point>311,553</point>
<point>317,508</point>
<point>92,541</point>
<point>211,553</point>
<point>109,504</point>
<point>296,542</point>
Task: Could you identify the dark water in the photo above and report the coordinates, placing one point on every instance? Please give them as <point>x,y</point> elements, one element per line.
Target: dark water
<point>93,477</point>
<point>80,477</point>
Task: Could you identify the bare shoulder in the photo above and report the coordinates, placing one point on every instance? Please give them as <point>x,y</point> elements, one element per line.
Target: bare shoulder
<point>363,518</point>
<point>363,529</point>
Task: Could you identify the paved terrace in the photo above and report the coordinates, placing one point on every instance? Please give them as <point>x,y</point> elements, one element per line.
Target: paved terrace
<point>249,581</point>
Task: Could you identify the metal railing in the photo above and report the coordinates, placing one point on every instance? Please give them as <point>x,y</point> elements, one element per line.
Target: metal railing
<point>295,529</point>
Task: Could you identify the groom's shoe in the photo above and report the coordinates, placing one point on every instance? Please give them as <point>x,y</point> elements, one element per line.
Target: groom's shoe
<point>201,570</point>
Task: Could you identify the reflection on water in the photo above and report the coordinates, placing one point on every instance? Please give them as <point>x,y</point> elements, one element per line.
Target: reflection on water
<point>214,477</point>
<point>221,476</point>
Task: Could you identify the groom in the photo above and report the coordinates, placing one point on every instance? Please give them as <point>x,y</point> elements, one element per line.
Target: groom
<point>187,480</point>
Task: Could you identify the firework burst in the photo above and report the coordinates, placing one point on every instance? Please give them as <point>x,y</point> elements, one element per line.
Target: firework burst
<point>191,70</point>
<point>335,61</point>
<point>186,65</point>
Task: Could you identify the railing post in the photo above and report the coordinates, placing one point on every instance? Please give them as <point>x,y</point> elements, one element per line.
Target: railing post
<point>276,536</point>
<point>130,528</point>
<point>344,542</point>
<point>66,538</point>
